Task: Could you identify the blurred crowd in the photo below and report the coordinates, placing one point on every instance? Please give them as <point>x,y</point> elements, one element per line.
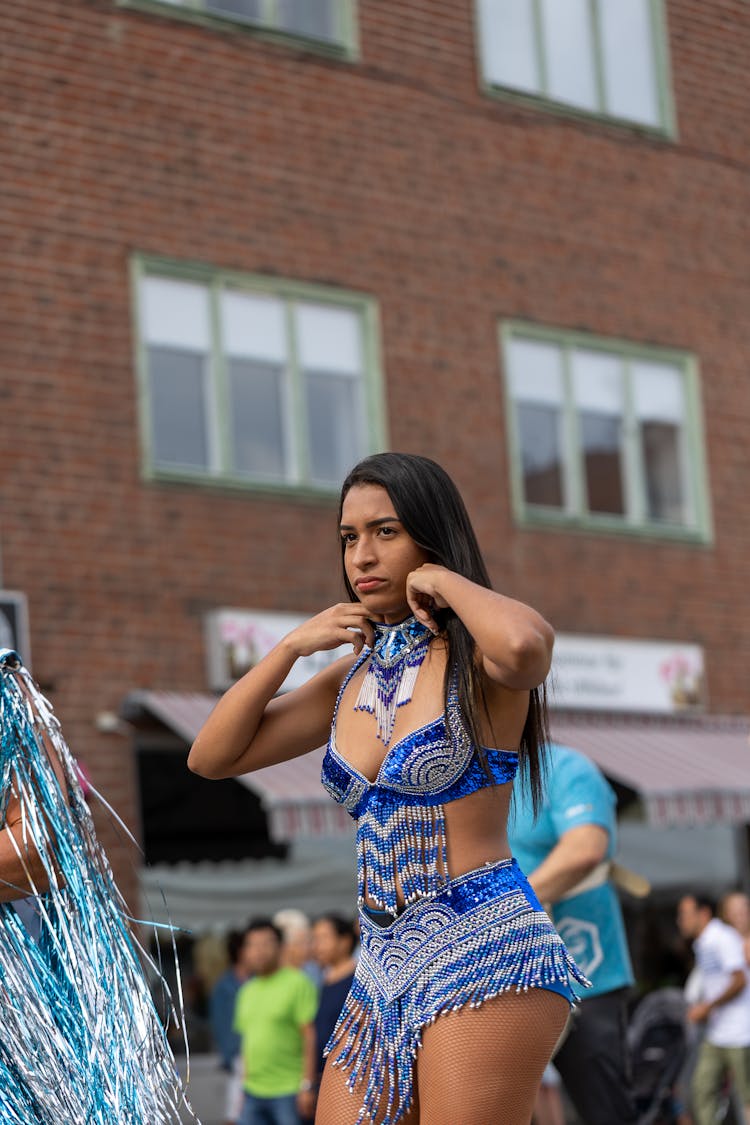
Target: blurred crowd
<point>265,999</point>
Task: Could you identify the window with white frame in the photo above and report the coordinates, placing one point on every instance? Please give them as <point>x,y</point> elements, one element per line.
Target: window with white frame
<point>326,21</point>
<point>606,57</point>
<point>604,434</point>
<point>274,387</point>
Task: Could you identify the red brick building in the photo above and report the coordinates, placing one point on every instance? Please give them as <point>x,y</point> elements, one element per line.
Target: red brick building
<point>244,242</point>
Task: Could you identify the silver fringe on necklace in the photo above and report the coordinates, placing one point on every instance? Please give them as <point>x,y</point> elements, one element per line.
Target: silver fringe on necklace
<point>397,655</point>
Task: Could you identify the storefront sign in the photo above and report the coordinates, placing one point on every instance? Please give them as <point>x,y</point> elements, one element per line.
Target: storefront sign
<point>588,673</point>
<point>610,674</point>
<point>236,639</point>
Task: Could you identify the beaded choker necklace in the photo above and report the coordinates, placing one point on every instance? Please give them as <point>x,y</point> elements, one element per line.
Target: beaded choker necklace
<point>397,655</point>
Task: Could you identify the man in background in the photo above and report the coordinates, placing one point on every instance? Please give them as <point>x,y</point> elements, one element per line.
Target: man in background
<point>274,1017</point>
<point>724,1007</point>
<point>566,854</point>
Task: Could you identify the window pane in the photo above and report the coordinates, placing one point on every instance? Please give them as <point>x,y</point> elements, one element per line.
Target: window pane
<point>630,79</point>
<point>536,371</point>
<point>601,438</point>
<point>178,412</point>
<point>597,381</point>
<point>329,339</point>
<point>506,31</point>
<point>175,314</point>
<point>253,327</point>
<point>660,446</point>
<point>334,425</point>
<point>598,392</point>
<point>659,393</point>
<point>540,436</point>
<point>257,418</point>
<point>244,9</point>
<point>568,51</point>
<point>315,18</point>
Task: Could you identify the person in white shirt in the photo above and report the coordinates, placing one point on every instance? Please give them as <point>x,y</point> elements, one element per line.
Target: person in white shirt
<point>724,1007</point>
<point>734,909</point>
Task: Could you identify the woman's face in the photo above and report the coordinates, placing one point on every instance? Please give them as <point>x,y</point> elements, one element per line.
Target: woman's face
<point>378,552</point>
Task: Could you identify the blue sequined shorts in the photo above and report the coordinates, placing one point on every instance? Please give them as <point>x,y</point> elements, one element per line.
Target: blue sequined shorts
<point>485,933</point>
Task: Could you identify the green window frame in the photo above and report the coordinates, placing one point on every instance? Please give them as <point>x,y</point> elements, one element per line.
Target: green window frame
<point>269,20</point>
<point>569,56</point>
<point>604,435</point>
<point>253,382</point>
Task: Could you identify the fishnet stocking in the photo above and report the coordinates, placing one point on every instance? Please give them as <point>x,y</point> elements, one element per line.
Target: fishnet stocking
<point>337,1105</point>
<point>477,1066</point>
<point>483,1066</point>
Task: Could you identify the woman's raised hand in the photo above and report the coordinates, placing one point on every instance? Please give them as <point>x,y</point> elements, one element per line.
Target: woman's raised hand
<point>423,595</point>
<point>345,623</point>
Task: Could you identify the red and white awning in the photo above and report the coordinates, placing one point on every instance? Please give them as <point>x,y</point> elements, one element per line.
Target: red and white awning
<point>686,771</point>
<point>292,796</point>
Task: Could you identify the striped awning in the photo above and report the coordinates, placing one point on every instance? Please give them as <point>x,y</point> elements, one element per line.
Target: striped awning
<point>294,800</point>
<point>686,771</point>
<point>292,796</point>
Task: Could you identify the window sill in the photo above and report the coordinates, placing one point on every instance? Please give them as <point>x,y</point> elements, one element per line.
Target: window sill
<point>666,133</point>
<point>344,50</point>
<point>550,520</point>
<point>261,489</point>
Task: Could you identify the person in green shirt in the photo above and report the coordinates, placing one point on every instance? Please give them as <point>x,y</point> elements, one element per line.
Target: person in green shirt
<point>274,1016</point>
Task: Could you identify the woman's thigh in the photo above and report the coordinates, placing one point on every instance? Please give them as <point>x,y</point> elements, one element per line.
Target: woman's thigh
<point>337,1105</point>
<point>485,1064</point>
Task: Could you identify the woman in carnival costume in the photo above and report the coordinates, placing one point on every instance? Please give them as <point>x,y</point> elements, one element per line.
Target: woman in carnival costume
<point>81,1042</point>
<point>426,725</point>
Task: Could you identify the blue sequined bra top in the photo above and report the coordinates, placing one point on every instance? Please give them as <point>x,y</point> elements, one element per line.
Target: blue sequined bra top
<point>401,840</point>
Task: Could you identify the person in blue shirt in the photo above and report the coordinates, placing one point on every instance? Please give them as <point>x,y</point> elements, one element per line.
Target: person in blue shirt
<point>334,942</point>
<point>221,1015</point>
<point>222,1002</point>
<point>566,856</point>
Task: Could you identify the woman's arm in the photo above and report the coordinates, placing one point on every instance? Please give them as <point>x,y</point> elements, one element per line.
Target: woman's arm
<point>249,729</point>
<point>22,869</point>
<point>515,641</point>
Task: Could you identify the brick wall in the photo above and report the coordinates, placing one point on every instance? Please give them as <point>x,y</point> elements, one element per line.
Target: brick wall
<point>125,130</point>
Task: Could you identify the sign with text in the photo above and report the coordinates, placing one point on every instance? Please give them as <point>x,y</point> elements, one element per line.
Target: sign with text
<point>588,673</point>
<point>236,639</point>
<point>611,674</point>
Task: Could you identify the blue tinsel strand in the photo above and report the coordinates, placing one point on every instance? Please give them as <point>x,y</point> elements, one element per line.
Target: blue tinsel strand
<point>81,1042</point>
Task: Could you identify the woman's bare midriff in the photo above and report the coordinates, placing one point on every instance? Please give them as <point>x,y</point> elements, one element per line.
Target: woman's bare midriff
<point>475,829</point>
<point>475,833</point>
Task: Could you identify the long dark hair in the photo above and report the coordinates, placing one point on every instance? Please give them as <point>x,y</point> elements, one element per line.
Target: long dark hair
<point>430,507</point>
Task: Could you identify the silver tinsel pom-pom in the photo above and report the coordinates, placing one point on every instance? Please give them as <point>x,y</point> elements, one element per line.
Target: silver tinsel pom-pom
<point>81,1042</point>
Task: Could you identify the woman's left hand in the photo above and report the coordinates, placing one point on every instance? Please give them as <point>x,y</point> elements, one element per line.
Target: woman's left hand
<point>423,594</point>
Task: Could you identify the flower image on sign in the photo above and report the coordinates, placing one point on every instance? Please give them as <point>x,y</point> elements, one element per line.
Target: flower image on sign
<point>236,639</point>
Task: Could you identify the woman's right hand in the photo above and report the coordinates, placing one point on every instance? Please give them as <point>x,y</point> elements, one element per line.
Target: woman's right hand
<point>345,623</point>
<point>249,729</point>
